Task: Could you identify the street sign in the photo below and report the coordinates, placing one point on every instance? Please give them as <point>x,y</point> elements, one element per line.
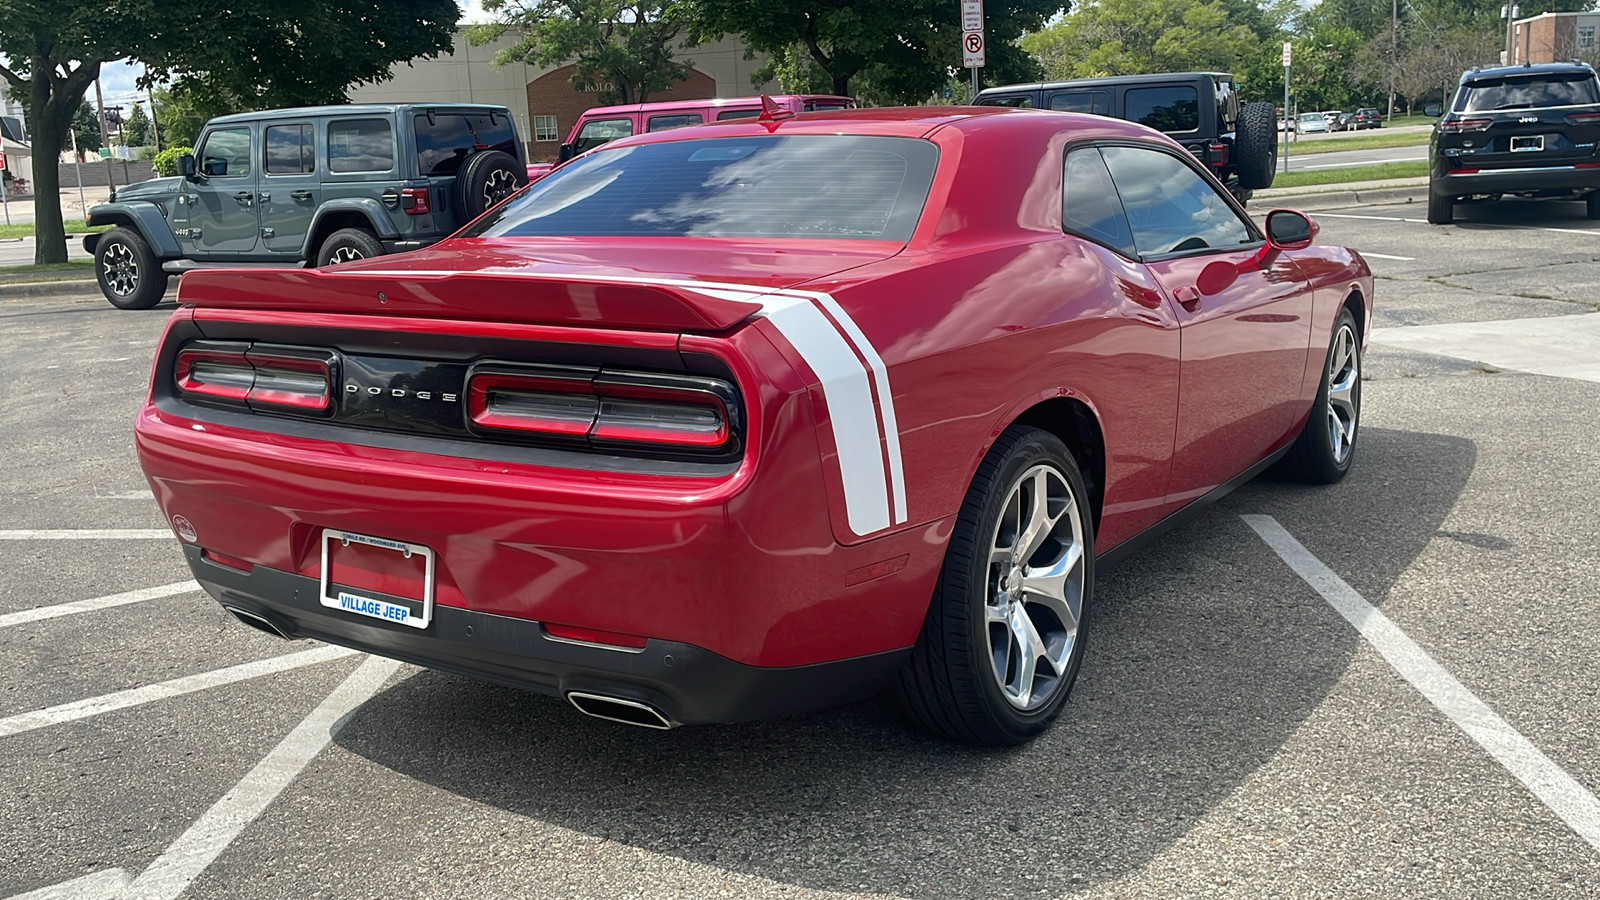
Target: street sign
<point>971,15</point>
<point>972,50</point>
<point>1286,54</point>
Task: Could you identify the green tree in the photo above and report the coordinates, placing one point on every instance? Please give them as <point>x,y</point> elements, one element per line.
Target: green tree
<point>905,49</point>
<point>622,49</point>
<point>136,131</point>
<point>185,108</point>
<point>269,52</point>
<point>1129,37</point>
<point>85,129</point>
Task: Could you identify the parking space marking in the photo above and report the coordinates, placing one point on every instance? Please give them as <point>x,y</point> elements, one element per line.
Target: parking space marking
<point>1325,215</point>
<point>86,534</point>
<point>94,706</point>
<point>1387,256</point>
<point>1559,346</point>
<point>105,884</point>
<point>40,613</point>
<point>1559,791</point>
<point>195,849</point>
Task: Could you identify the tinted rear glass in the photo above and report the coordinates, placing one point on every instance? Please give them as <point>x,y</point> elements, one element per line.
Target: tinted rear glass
<point>795,186</point>
<point>1096,102</point>
<point>1163,108</point>
<point>1529,92</point>
<point>450,138</point>
<point>1020,101</point>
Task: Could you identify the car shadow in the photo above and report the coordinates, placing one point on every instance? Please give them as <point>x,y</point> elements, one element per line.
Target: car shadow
<point>1521,211</point>
<point>1207,653</point>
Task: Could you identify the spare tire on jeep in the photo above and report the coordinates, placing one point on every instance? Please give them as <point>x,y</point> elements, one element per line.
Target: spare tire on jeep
<point>485,179</point>
<point>1256,146</point>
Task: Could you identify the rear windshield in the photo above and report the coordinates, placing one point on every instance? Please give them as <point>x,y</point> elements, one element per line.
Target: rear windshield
<point>1168,109</point>
<point>804,186</point>
<point>449,138</point>
<point>1529,92</point>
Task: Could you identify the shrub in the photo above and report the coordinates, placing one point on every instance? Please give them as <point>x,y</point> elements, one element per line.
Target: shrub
<point>166,162</point>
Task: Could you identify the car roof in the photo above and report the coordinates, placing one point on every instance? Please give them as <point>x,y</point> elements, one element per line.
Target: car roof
<point>732,102</point>
<point>355,109</point>
<point>1562,68</point>
<point>1157,78</point>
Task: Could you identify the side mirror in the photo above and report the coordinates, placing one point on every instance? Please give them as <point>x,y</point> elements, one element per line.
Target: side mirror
<point>214,167</point>
<point>1290,230</point>
<point>1432,110</point>
<point>186,165</point>
<point>564,154</point>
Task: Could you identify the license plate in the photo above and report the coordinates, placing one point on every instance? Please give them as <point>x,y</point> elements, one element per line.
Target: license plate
<point>1524,144</point>
<point>378,577</point>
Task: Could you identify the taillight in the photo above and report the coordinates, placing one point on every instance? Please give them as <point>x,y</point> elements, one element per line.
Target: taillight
<point>605,408</point>
<point>1464,126</point>
<point>1219,154</point>
<point>262,377</point>
<point>1588,118</point>
<point>414,200</point>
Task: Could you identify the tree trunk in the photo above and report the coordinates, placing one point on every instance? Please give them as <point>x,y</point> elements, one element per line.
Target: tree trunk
<point>50,126</point>
<point>841,86</point>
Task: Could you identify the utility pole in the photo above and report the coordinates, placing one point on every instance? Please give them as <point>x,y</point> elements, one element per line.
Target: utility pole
<point>1509,12</point>
<point>1394,51</point>
<point>105,134</point>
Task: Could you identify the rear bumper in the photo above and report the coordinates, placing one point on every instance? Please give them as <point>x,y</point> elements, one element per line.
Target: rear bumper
<point>689,684</point>
<point>1552,179</point>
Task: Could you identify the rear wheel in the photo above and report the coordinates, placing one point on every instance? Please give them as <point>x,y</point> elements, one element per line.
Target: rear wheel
<point>1591,205</point>
<point>128,272</point>
<point>487,178</point>
<point>349,245</point>
<point>1004,636</point>
<point>1257,146</point>
<point>1441,209</point>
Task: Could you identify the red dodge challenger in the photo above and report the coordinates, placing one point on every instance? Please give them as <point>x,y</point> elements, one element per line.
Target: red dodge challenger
<point>733,421</point>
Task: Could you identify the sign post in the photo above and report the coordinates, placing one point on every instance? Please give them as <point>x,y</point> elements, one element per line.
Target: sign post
<point>1288,120</point>
<point>972,55</point>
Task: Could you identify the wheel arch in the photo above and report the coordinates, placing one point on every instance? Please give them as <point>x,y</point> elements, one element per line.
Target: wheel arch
<point>352,214</point>
<point>1072,419</point>
<point>1356,302</point>
<point>144,219</point>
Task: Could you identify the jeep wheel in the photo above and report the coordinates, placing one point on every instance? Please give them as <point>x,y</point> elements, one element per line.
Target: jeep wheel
<point>348,245</point>
<point>129,274</point>
<point>487,178</point>
<point>1257,146</point>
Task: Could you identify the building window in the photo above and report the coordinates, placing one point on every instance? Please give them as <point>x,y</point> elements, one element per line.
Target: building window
<point>544,128</point>
<point>1585,37</point>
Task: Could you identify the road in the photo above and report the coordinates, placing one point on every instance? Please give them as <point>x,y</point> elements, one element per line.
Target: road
<point>1231,735</point>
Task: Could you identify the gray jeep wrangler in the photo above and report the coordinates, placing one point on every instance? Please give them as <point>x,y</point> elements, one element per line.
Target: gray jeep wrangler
<point>312,186</point>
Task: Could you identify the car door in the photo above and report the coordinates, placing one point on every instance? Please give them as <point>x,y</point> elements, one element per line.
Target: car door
<point>223,216</point>
<point>289,188</point>
<point>1244,325</point>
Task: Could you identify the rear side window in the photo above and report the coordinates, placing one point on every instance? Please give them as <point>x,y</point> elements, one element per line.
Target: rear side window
<point>1089,203</point>
<point>1022,101</point>
<point>727,114</point>
<point>445,140</point>
<point>360,145</point>
<point>601,131</point>
<point>1529,92</point>
<point>1169,109</point>
<point>290,150</point>
<point>667,123</point>
<point>781,186</point>
<point>1095,102</point>
<point>815,105</point>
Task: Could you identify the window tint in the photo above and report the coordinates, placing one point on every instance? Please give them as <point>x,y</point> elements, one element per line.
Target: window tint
<point>814,105</point>
<point>1089,203</point>
<point>290,150</point>
<point>1163,108</point>
<point>360,145</point>
<point>449,138</point>
<point>1096,102</point>
<point>795,186</point>
<point>667,123</point>
<point>1170,208</point>
<point>727,114</point>
<point>1020,102</point>
<point>600,131</point>
<point>1529,92</point>
<point>232,146</point>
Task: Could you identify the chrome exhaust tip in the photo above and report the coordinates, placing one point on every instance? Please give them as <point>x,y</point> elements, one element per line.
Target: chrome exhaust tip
<point>618,709</point>
<point>257,621</point>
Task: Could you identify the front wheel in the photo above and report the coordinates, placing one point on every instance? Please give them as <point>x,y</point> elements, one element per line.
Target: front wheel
<point>1004,635</point>
<point>1327,444</point>
<point>128,272</point>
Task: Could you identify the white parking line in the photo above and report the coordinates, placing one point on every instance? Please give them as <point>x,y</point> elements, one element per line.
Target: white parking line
<point>1387,256</point>
<point>1542,776</point>
<point>105,884</point>
<point>94,706</point>
<point>194,850</point>
<point>39,613</point>
<point>1503,227</point>
<point>86,534</point>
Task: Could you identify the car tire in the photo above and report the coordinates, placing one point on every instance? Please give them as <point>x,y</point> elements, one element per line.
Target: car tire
<point>487,178</point>
<point>127,270</point>
<point>1441,209</point>
<point>953,684</point>
<point>1257,146</point>
<point>1325,447</point>
<point>348,245</point>
<point>1591,205</point>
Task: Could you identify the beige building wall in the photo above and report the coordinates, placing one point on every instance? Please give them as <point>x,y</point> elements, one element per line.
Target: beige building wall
<point>466,75</point>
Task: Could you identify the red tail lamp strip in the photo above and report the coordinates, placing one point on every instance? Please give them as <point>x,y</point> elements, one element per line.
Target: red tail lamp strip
<point>257,375</point>
<point>223,374</point>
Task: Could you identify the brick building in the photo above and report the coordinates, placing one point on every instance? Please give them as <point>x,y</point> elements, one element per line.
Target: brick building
<point>1555,37</point>
<point>541,100</point>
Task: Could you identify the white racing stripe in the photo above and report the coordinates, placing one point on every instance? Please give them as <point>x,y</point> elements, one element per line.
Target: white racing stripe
<point>1541,775</point>
<point>173,871</point>
<point>94,706</point>
<point>39,613</point>
<point>87,534</point>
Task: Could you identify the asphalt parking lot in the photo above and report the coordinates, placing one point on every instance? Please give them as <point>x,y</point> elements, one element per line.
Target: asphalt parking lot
<point>1232,733</point>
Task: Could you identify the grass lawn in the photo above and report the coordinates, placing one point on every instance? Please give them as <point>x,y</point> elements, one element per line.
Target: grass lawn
<point>1371,140</point>
<point>1349,174</point>
<point>74,226</point>
<point>67,271</point>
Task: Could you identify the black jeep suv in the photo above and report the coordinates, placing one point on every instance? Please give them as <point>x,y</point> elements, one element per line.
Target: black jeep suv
<point>1528,130</point>
<point>1200,110</point>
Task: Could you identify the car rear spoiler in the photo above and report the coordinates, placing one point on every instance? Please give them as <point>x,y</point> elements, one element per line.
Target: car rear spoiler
<point>530,297</point>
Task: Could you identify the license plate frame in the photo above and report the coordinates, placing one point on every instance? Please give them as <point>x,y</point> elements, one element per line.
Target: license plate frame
<point>370,603</point>
<point>1527,143</point>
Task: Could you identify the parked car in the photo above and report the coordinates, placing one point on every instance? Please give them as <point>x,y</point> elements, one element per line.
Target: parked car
<point>1311,123</point>
<point>715,426</point>
<point>602,124</point>
<point>1368,117</point>
<point>1529,131</point>
<point>1200,110</point>
<point>1345,122</point>
<point>310,186</point>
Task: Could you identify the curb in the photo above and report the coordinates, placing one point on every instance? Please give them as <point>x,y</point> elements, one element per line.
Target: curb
<point>1375,197</point>
<point>20,289</point>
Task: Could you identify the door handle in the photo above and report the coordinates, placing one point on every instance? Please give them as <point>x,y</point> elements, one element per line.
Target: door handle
<point>244,197</point>
<point>300,195</point>
<point>1188,297</point>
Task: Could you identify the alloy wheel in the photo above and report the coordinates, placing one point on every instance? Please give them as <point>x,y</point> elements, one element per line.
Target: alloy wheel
<point>1034,588</point>
<point>121,269</point>
<point>1344,404</point>
<point>500,184</point>
<point>344,255</point>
